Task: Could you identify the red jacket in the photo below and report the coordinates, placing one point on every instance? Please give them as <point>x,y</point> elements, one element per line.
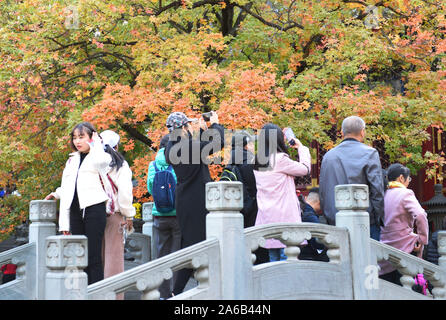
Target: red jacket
<point>8,268</point>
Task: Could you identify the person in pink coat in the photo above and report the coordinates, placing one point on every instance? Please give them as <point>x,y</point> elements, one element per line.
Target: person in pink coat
<point>405,221</point>
<point>276,191</point>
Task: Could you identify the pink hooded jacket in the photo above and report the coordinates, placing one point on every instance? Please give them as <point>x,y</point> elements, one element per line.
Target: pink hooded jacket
<point>402,212</point>
<point>276,192</point>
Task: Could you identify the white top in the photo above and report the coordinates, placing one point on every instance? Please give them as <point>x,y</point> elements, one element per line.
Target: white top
<point>86,179</point>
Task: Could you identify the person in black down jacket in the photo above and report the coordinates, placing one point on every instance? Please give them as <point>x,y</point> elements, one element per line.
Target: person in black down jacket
<point>242,157</point>
<point>188,157</point>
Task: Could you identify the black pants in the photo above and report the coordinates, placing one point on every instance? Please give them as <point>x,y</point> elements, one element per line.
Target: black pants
<point>181,281</point>
<point>92,225</point>
<point>7,278</point>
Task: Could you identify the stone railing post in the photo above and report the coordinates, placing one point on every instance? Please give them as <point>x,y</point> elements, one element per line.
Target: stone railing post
<point>147,227</point>
<point>352,202</point>
<point>224,200</point>
<point>441,245</point>
<point>42,214</point>
<point>66,257</point>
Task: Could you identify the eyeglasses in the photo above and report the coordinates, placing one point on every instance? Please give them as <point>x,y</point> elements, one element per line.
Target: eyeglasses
<point>409,179</point>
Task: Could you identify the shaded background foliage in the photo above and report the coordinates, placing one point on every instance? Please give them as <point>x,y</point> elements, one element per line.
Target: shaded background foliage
<point>125,65</point>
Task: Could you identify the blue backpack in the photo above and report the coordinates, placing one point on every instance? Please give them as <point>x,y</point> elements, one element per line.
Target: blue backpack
<point>163,190</point>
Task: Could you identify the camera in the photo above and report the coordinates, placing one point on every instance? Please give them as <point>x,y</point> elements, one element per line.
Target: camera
<point>207,116</point>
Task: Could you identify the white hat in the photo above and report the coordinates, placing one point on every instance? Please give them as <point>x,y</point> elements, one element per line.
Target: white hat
<point>110,137</point>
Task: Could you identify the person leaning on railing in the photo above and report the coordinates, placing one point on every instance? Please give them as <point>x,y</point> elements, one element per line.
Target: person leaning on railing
<point>405,221</point>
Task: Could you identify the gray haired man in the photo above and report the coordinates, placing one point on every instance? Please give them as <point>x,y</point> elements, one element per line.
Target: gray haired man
<point>353,162</point>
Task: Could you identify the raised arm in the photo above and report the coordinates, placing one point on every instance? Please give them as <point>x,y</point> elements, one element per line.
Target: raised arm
<point>296,168</point>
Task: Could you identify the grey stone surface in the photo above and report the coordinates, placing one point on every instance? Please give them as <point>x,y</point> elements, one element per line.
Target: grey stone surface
<point>352,202</point>
<point>66,258</point>
<point>223,263</point>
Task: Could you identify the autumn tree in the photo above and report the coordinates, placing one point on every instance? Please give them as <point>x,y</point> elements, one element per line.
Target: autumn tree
<point>125,65</point>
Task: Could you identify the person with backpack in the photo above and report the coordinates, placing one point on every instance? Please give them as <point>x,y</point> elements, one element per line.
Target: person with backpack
<point>240,168</point>
<point>276,191</point>
<point>188,156</point>
<point>82,197</point>
<point>161,182</point>
<point>120,220</point>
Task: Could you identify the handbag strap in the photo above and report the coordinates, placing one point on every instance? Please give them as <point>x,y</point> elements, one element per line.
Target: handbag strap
<point>114,187</point>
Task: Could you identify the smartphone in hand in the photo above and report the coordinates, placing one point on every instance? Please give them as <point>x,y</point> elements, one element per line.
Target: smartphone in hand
<point>289,134</point>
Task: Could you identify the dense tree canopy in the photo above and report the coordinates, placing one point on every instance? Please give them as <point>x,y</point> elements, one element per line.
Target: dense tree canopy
<point>126,64</point>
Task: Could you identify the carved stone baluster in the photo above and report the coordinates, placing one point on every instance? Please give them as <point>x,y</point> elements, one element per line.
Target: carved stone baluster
<point>408,271</point>
<point>20,261</point>
<point>255,244</point>
<point>149,285</point>
<point>66,257</point>
<point>292,241</point>
<point>333,252</point>
<point>201,274</point>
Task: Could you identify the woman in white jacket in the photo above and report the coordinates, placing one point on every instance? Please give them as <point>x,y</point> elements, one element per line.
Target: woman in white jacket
<point>82,197</point>
<point>121,175</point>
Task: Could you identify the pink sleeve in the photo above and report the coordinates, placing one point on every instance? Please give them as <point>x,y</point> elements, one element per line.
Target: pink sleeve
<point>412,205</point>
<point>296,168</point>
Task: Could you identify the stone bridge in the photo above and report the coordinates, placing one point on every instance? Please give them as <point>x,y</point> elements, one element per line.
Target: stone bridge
<point>51,266</point>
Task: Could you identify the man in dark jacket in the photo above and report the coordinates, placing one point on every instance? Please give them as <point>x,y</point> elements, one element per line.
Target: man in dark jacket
<point>188,157</point>
<point>353,162</point>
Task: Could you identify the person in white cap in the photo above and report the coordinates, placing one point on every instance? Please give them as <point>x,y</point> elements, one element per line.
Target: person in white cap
<point>121,175</point>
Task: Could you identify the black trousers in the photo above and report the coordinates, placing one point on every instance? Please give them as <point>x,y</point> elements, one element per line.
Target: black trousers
<point>92,225</point>
<point>183,276</point>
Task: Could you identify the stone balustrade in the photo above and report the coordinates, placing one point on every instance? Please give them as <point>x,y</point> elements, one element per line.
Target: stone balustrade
<point>146,278</point>
<point>51,267</point>
<point>409,266</point>
<point>30,258</point>
<point>294,235</point>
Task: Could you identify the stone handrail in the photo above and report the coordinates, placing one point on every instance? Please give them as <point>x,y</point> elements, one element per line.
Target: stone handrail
<point>24,258</point>
<point>30,258</point>
<point>409,266</point>
<point>202,257</point>
<point>292,235</point>
<point>17,256</point>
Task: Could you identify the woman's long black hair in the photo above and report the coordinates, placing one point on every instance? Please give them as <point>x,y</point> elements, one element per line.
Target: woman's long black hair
<point>271,136</point>
<point>117,158</point>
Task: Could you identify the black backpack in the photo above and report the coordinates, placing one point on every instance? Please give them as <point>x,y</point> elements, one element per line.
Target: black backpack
<point>231,173</point>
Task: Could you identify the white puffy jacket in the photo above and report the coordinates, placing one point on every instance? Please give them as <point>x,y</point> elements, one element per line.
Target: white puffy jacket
<point>89,187</point>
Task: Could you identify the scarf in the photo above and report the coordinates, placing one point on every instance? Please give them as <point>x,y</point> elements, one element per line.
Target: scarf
<point>396,184</point>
